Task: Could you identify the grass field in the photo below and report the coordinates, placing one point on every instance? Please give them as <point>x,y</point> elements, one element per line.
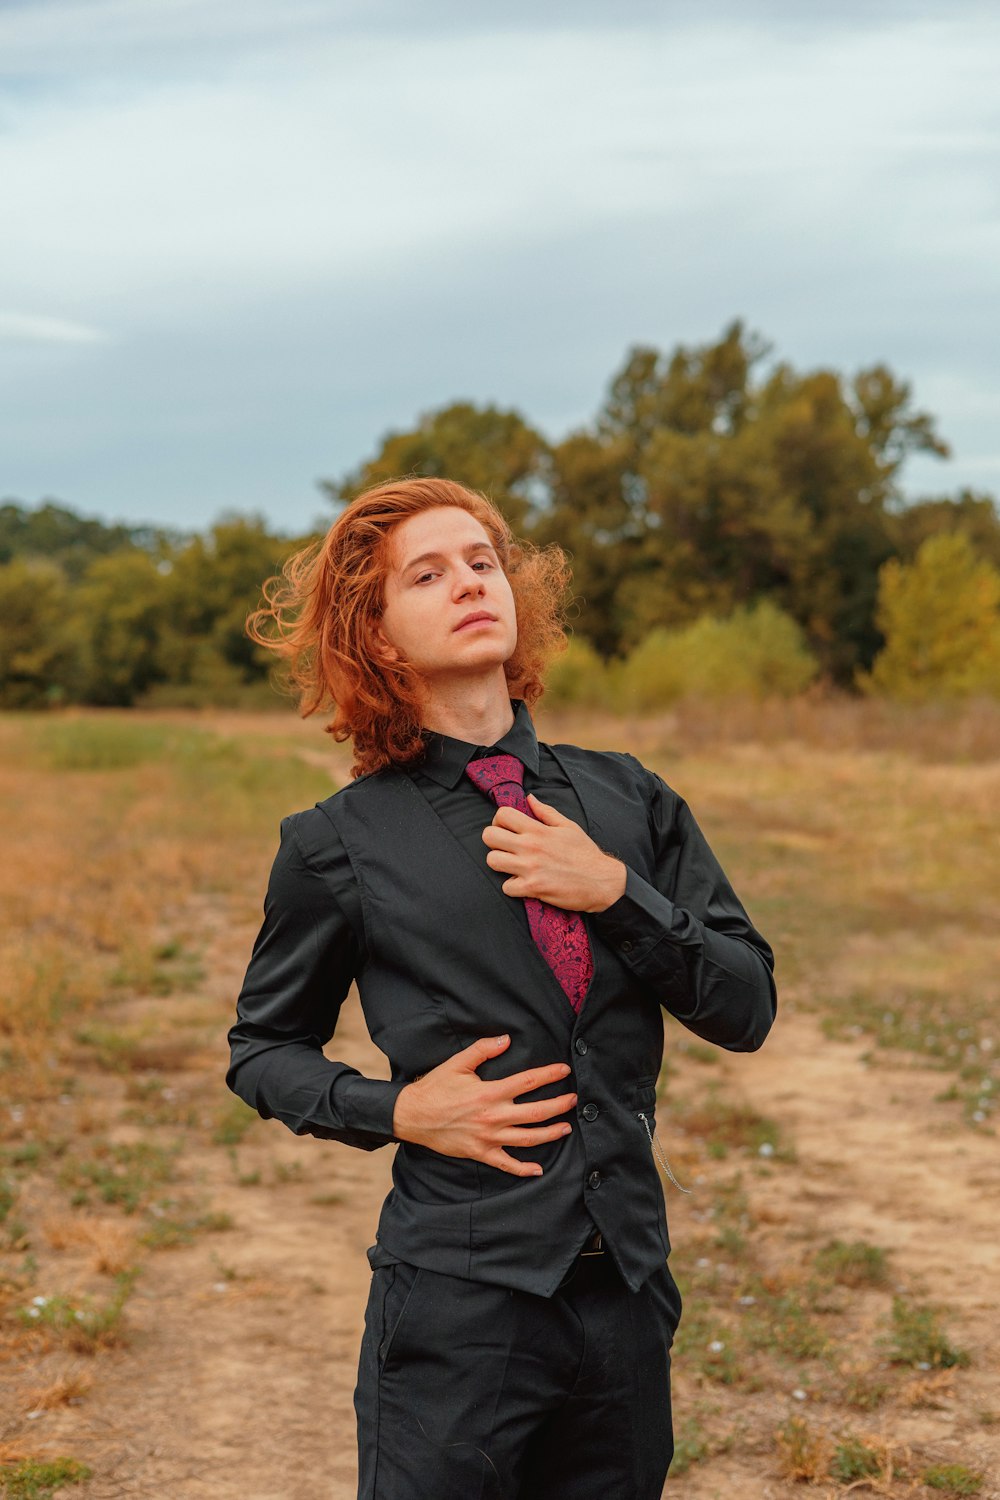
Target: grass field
<point>177,1276</point>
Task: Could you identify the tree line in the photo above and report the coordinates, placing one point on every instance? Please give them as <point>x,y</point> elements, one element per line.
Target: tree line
<point>732,524</point>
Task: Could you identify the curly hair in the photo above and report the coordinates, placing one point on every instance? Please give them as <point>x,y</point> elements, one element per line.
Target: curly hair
<point>322,612</point>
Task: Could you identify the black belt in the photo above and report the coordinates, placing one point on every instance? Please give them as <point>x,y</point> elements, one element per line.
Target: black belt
<point>593,1245</point>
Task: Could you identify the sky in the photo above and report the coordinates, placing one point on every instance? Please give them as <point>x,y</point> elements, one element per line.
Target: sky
<point>244,239</point>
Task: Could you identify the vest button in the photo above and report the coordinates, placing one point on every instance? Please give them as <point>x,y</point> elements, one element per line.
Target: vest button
<point>594,1180</point>
<point>580,1045</point>
<point>626,945</point>
<point>590,1111</point>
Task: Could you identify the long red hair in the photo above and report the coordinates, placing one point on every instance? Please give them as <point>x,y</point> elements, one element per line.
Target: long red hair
<point>323,609</point>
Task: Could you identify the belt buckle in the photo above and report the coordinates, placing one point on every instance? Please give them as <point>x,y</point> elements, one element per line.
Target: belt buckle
<point>594,1246</point>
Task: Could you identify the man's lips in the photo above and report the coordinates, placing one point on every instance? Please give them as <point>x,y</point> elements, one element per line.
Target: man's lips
<point>479,619</point>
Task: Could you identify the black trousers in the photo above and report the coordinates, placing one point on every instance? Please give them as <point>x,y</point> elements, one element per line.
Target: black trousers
<point>468,1391</point>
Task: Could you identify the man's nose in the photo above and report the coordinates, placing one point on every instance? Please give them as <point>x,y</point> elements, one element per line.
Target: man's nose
<point>468,582</point>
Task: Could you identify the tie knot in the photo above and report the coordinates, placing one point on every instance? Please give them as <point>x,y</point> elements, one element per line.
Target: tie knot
<point>491,773</point>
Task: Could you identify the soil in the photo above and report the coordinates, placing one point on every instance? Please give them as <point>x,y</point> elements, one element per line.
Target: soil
<point>236,1381</point>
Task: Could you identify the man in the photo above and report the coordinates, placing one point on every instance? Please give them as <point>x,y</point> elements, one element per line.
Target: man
<point>516,916</point>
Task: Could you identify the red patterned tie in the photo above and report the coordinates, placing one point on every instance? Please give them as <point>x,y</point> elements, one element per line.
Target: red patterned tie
<point>560,935</point>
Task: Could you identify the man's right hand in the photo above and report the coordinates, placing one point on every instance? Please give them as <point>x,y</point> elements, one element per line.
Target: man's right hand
<point>454,1111</point>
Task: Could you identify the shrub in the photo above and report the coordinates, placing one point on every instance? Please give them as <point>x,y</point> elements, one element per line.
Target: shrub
<point>757,651</point>
<point>940,616</point>
<point>578,676</point>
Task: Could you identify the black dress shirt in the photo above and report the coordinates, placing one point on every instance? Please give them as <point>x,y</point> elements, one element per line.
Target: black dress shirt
<point>689,919</point>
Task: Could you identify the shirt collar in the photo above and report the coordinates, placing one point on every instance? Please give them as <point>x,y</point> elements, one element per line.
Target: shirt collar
<point>445,758</point>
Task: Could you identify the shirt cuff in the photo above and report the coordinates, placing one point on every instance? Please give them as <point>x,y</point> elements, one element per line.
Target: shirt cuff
<point>639,926</point>
<point>368,1104</point>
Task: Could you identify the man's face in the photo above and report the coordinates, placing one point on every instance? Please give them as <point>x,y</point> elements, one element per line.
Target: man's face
<point>443,568</point>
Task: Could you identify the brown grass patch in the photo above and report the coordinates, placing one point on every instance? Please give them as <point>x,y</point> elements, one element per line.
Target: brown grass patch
<point>112,1245</point>
<point>65,1390</point>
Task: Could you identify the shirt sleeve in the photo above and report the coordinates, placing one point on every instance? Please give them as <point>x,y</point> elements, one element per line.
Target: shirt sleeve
<point>303,962</point>
<point>687,936</point>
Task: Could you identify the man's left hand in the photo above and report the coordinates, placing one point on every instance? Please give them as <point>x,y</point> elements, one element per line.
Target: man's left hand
<point>551,858</point>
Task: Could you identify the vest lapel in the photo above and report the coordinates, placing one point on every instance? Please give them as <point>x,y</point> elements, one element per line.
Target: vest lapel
<point>516,918</point>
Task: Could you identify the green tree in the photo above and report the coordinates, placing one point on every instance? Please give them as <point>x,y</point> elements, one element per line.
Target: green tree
<point>940,616</point>
<point>55,532</point>
<point>974,514</point>
<point>704,485</point>
<point>120,613</point>
<point>209,586</point>
<point>38,651</point>
<point>484,447</point>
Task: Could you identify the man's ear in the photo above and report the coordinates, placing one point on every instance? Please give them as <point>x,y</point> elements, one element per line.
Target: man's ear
<point>386,650</point>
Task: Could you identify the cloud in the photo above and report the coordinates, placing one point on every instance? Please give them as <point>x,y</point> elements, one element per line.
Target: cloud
<point>29,328</point>
<point>307,221</point>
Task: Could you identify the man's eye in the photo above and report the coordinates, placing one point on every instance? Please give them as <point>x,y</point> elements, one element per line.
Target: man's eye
<point>484,563</point>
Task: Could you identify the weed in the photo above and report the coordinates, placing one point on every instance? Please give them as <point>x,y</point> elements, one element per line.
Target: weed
<point>779,1321</point>
<point>698,1052</point>
<point>709,1347</point>
<point>37,1478</point>
<point>288,1171</point>
<point>243,1179</point>
<point>34,1154</point>
<point>918,1340</point>
<point>111,1050</point>
<point>234,1120</point>
<point>854,1264</point>
<point>725,1124</point>
<point>164,1233</point>
<point>803,1452</point>
<point>125,1175</point>
<point>853,1459</point>
<point>690,1447</point>
<point>86,1327</point>
<point>863,1388</point>
<point>954,1479</point>
<point>226,1272</point>
<point>918,1021</point>
<point>150,969</point>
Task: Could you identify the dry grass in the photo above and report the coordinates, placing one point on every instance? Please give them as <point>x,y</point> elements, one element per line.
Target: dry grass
<point>112,1247</point>
<point>865,841</point>
<point>65,1390</point>
<point>819,720</point>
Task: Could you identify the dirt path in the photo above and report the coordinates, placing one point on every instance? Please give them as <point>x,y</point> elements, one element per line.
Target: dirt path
<point>876,1161</point>
<point>238,1379</point>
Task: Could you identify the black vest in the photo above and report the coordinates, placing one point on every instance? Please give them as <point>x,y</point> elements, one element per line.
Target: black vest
<point>448,960</point>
